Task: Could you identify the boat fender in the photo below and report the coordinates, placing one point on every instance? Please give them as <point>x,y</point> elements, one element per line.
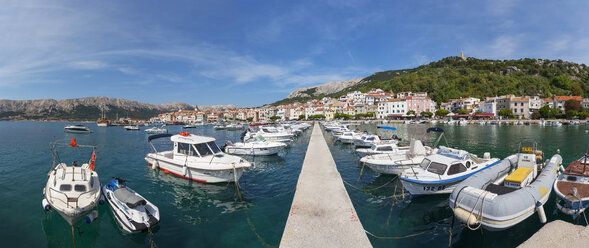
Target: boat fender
<point>153,165</point>
<point>541,213</point>
<point>184,170</point>
<point>92,216</point>
<point>101,200</point>
<point>46,205</point>
<point>465,216</point>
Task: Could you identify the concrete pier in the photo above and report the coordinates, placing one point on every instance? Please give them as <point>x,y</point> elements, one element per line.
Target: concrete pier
<point>322,214</point>
<point>559,233</point>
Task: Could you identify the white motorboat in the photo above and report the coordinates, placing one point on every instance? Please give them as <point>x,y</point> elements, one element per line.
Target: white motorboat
<point>399,160</point>
<point>234,127</point>
<point>72,190</point>
<point>507,193</point>
<point>260,147</point>
<point>462,122</point>
<point>383,148</point>
<point>189,126</point>
<point>77,129</point>
<point>156,130</point>
<point>433,122</point>
<point>347,137</point>
<point>269,133</point>
<point>220,126</point>
<point>439,173</point>
<point>132,212</point>
<point>197,158</point>
<point>132,128</point>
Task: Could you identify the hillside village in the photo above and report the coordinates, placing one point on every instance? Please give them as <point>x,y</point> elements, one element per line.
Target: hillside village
<point>379,104</point>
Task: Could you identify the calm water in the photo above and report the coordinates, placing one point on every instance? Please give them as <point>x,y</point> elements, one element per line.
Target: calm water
<point>192,214</point>
<point>430,216</point>
<point>199,215</point>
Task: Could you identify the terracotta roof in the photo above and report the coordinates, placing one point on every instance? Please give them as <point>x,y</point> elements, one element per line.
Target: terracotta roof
<point>566,98</point>
<point>519,99</point>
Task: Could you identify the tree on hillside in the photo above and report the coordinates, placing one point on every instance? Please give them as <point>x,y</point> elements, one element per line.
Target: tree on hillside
<point>442,112</point>
<point>562,82</point>
<point>570,114</point>
<point>576,90</point>
<point>410,112</point>
<point>426,114</point>
<point>572,105</point>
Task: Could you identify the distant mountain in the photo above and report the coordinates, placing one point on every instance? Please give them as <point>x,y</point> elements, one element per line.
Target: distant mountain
<point>456,77</point>
<point>215,107</point>
<point>89,108</point>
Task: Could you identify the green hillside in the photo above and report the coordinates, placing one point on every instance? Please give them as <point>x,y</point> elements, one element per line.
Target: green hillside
<point>454,77</point>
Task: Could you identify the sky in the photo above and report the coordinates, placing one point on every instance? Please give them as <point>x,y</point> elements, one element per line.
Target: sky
<point>251,53</point>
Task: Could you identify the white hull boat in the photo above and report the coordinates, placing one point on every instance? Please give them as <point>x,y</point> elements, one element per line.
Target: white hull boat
<point>73,191</point>
<point>197,158</point>
<point>572,188</point>
<point>156,130</point>
<point>255,148</point>
<point>77,129</point>
<point>396,163</point>
<point>132,128</point>
<point>132,212</point>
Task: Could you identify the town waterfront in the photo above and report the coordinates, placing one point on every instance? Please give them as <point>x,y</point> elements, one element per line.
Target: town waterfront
<point>199,215</point>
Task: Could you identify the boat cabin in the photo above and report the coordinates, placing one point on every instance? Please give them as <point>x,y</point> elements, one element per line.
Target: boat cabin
<point>448,161</point>
<point>194,145</point>
<point>527,169</point>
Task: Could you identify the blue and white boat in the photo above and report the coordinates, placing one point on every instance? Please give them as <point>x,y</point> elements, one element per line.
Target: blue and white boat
<point>132,212</point>
<point>441,172</point>
<point>572,188</point>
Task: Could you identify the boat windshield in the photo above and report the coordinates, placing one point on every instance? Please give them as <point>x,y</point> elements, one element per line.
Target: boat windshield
<point>437,168</point>
<point>214,147</point>
<point>424,163</point>
<point>203,149</point>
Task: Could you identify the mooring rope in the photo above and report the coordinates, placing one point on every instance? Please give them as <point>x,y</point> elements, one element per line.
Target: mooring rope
<point>398,237</point>
<point>151,242</point>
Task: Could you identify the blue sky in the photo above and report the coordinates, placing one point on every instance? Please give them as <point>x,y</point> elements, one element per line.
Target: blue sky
<point>249,53</point>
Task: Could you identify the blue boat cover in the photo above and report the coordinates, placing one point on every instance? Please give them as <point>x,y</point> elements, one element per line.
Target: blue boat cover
<point>157,136</point>
<point>385,127</point>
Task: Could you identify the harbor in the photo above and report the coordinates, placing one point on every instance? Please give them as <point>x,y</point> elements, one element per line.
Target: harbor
<point>263,210</point>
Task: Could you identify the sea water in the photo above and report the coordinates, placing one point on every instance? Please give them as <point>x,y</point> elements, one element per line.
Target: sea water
<point>213,215</point>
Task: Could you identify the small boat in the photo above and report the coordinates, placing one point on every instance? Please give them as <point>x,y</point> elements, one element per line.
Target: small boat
<point>433,122</point>
<point>234,127</point>
<point>259,147</point>
<point>220,127</point>
<point>383,148</point>
<point>132,128</point>
<point>399,160</point>
<point>72,190</point>
<point>347,137</point>
<point>132,212</point>
<point>462,122</point>
<point>439,173</point>
<point>156,130</point>
<point>507,193</point>
<point>197,158</point>
<point>77,129</point>
<point>572,188</point>
<point>189,126</point>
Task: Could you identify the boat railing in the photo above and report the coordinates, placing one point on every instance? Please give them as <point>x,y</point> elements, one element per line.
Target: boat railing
<point>67,201</point>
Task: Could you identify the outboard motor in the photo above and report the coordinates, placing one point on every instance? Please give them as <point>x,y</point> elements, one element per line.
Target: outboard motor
<point>92,216</point>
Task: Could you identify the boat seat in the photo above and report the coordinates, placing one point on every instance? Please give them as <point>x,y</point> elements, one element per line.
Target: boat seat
<point>132,200</point>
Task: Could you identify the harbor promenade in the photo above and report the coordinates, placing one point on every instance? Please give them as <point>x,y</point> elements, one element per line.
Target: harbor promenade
<point>322,214</point>
<point>559,233</point>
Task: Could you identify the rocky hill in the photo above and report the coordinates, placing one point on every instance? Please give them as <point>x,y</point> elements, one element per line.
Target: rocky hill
<point>324,89</point>
<point>89,108</point>
<point>456,77</point>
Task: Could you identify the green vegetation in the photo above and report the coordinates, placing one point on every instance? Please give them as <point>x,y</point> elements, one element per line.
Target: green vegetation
<point>426,114</point>
<point>462,111</point>
<point>301,117</point>
<point>452,78</point>
<point>442,112</point>
<point>506,113</point>
<point>275,118</point>
<point>250,119</point>
<point>356,116</point>
<point>314,117</point>
<point>411,112</point>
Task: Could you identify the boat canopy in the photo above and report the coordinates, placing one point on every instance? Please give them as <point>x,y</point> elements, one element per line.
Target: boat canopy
<point>157,136</point>
<point>435,129</point>
<point>389,128</point>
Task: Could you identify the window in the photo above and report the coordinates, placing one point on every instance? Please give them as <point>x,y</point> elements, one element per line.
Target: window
<point>384,148</point>
<point>214,147</point>
<point>186,149</point>
<point>456,168</point>
<point>79,188</point>
<point>436,168</point>
<point>424,163</point>
<point>467,164</point>
<point>203,149</point>
<point>65,187</point>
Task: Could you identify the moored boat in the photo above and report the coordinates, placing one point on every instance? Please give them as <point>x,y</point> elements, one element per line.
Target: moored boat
<point>572,188</point>
<point>77,129</point>
<point>508,193</point>
<point>197,158</point>
<point>132,212</point>
<point>259,147</point>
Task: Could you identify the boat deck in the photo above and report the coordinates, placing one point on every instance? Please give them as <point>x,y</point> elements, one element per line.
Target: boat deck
<point>576,168</point>
<point>576,177</point>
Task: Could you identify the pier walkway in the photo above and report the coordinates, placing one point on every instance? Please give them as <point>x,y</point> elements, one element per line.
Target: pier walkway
<point>322,214</point>
<point>559,233</point>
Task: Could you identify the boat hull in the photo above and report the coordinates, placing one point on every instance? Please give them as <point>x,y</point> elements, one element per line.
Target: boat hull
<point>253,151</point>
<point>199,175</point>
<point>121,216</point>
